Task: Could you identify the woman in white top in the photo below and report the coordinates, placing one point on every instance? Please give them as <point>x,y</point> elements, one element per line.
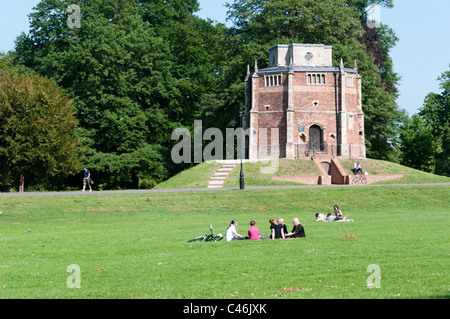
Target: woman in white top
<point>231,233</point>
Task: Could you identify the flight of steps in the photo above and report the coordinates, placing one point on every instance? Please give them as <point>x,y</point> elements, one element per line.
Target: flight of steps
<point>221,175</point>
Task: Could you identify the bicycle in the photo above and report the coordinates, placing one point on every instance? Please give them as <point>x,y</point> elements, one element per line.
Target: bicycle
<point>359,179</point>
<point>207,237</point>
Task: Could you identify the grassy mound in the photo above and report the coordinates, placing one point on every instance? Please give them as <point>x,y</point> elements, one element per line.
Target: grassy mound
<point>198,176</point>
<point>195,177</point>
<point>377,167</point>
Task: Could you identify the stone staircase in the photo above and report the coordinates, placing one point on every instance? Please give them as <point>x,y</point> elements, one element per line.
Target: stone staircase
<point>332,171</point>
<point>219,177</point>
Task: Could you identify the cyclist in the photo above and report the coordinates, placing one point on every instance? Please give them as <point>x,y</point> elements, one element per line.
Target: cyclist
<point>357,169</point>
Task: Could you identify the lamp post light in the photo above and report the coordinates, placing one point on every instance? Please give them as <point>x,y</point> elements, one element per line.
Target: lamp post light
<point>241,180</point>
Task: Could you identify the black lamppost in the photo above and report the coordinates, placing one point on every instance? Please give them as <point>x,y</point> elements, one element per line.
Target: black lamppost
<point>241,180</point>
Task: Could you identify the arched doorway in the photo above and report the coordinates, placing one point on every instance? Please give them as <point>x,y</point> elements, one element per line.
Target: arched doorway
<point>316,138</point>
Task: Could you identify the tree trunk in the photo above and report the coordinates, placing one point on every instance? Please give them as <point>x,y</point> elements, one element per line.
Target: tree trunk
<point>22,184</point>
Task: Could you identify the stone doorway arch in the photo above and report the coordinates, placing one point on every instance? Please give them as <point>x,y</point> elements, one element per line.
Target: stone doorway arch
<point>316,138</point>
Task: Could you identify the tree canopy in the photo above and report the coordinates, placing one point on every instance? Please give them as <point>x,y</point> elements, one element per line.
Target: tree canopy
<point>37,139</point>
<point>425,138</point>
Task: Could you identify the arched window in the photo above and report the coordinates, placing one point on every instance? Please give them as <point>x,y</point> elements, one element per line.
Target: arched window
<point>316,78</point>
<point>273,80</point>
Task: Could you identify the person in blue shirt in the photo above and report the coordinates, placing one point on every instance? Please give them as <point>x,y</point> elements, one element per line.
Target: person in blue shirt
<point>87,179</point>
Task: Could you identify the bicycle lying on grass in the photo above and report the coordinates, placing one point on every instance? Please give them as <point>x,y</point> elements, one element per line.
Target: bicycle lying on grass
<point>207,237</point>
<point>359,179</point>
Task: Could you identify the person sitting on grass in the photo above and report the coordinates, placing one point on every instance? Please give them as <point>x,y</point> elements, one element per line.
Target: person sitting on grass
<point>283,225</point>
<point>337,213</point>
<point>276,230</point>
<point>331,218</point>
<point>231,233</point>
<point>321,217</point>
<point>253,232</point>
<point>298,230</point>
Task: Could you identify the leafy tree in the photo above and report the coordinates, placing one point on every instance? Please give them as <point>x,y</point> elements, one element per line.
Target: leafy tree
<point>136,70</point>
<point>37,139</point>
<point>435,114</point>
<point>417,144</point>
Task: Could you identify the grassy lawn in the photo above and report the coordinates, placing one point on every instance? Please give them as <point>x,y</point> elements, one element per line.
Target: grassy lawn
<point>135,245</point>
<point>377,167</point>
<point>195,177</point>
<point>286,167</point>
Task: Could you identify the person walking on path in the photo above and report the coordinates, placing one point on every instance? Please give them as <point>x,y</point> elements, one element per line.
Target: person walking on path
<point>87,179</point>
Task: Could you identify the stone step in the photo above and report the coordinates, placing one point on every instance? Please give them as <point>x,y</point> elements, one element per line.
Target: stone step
<point>230,167</point>
<point>218,178</point>
<point>224,170</point>
<point>220,174</point>
<point>215,182</point>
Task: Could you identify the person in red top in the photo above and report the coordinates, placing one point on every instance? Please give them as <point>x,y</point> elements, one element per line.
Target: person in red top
<point>253,232</point>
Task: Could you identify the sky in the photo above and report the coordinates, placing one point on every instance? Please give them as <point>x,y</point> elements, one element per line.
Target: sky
<point>420,56</point>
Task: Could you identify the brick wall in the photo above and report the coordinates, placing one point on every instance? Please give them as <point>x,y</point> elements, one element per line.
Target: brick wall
<point>313,104</point>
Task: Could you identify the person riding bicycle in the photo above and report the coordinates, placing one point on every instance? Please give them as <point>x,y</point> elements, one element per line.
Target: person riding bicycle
<point>357,169</point>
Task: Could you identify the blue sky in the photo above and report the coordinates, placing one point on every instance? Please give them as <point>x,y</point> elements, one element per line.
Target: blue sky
<point>420,56</point>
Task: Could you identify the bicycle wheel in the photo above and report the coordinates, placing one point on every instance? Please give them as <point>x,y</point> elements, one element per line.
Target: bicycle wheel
<point>355,180</point>
<point>218,238</point>
<point>197,239</point>
<point>364,181</point>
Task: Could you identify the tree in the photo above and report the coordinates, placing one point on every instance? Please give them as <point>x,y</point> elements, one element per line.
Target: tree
<point>417,144</point>
<point>436,116</point>
<point>37,139</point>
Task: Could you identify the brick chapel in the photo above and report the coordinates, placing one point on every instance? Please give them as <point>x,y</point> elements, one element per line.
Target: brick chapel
<point>316,107</point>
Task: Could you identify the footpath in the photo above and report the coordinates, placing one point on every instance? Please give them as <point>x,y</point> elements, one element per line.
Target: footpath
<point>155,191</point>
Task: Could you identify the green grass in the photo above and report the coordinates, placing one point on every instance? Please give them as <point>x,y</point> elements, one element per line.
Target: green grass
<point>286,167</point>
<point>195,177</point>
<point>135,245</point>
<point>377,167</point>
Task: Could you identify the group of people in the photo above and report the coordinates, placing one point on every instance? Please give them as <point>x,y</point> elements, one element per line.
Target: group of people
<point>278,230</point>
<point>337,217</point>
